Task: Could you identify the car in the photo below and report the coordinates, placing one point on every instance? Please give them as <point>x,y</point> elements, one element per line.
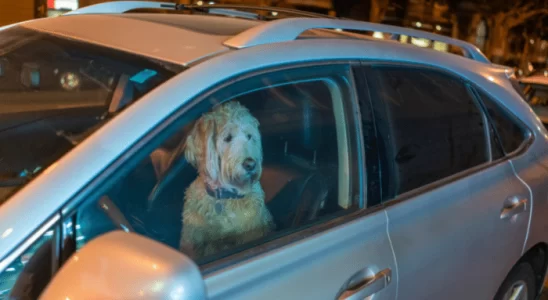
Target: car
<point>389,170</point>
<point>535,89</point>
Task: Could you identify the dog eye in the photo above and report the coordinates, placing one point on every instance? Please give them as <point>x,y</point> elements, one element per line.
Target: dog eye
<point>228,138</point>
<point>249,136</point>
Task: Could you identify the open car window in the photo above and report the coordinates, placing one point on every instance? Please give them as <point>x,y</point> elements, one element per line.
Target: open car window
<point>55,91</point>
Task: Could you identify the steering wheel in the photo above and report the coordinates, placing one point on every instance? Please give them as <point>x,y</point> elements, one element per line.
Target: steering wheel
<point>312,196</point>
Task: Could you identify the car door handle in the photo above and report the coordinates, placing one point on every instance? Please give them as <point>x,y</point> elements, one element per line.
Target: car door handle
<point>367,286</point>
<point>514,209</point>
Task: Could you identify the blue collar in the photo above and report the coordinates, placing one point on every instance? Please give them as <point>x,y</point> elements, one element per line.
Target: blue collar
<point>222,193</point>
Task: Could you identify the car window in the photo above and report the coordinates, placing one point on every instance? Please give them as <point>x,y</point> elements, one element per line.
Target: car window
<point>27,276</point>
<point>507,133</point>
<point>431,127</point>
<point>54,92</point>
<point>264,157</point>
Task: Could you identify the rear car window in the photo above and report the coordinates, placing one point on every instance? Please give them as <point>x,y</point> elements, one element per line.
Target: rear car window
<point>54,92</point>
<point>433,127</point>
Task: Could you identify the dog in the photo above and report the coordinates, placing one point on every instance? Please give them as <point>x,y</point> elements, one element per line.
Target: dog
<point>224,206</point>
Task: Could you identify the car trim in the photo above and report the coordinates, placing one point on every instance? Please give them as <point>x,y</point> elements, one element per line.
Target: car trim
<point>285,30</point>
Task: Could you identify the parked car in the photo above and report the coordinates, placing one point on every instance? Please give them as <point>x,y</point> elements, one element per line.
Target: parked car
<point>389,170</point>
<point>535,88</point>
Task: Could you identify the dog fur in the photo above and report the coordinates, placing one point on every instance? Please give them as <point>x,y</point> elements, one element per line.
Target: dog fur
<point>218,145</point>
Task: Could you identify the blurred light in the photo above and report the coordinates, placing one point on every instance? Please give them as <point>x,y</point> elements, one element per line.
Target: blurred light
<point>378,35</point>
<point>438,27</point>
<point>532,41</point>
<point>274,13</point>
<point>491,78</point>
<point>7,232</point>
<point>48,233</point>
<point>155,266</point>
<point>404,39</point>
<point>157,286</point>
<point>418,24</point>
<point>177,293</point>
<point>200,2</point>
<point>10,269</point>
<point>70,81</point>
<point>420,42</point>
<point>545,73</point>
<point>211,2</point>
<point>77,226</point>
<point>338,29</point>
<point>520,72</point>
<point>80,238</point>
<point>439,46</point>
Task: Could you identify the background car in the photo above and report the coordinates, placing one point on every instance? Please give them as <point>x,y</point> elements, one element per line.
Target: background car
<point>535,89</point>
<point>390,170</point>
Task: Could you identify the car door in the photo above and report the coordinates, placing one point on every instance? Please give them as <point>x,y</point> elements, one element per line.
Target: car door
<point>330,239</point>
<point>458,215</point>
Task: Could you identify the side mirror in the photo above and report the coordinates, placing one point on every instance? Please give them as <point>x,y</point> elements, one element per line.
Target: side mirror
<point>121,265</point>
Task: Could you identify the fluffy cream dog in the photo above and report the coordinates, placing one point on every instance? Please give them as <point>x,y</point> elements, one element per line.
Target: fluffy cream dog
<point>224,206</point>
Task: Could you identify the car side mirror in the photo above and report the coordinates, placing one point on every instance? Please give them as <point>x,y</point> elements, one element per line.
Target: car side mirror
<point>121,265</point>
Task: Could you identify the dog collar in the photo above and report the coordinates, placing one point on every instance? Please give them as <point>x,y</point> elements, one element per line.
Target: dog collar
<point>222,193</point>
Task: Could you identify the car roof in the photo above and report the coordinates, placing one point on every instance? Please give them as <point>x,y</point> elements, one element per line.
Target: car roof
<point>179,39</point>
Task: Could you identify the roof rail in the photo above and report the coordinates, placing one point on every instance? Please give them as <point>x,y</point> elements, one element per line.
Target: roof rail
<point>272,9</point>
<point>285,30</point>
<point>119,7</point>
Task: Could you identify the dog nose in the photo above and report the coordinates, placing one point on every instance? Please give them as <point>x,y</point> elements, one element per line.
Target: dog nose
<point>249,164</point>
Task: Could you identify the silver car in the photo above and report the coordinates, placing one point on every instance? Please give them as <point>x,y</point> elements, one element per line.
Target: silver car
<point>390,171</point>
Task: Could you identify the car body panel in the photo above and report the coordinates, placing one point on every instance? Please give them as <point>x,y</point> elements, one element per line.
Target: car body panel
<point>288,271</point>
<point>443,231</point>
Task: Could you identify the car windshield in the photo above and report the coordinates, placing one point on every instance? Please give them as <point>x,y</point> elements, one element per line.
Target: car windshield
<point>55,91</point>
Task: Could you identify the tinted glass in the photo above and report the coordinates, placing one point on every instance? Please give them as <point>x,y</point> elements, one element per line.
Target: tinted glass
<point>508,134</point>
<point>431,128</point>
<point>272,157</point>
<point>54,92</point>
<point>27,276</point>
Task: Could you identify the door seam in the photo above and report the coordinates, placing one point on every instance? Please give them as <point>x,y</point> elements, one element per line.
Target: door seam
<point>530,206</point>
<point>393,253</point>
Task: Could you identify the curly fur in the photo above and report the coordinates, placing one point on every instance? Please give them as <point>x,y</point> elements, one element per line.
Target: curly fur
<point>217,146</point>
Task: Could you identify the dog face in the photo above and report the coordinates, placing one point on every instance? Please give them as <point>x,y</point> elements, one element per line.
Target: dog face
<point>225,147</point>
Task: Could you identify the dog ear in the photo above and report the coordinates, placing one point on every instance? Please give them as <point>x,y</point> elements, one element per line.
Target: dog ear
<point>200,148</point>
<point>193,144</point>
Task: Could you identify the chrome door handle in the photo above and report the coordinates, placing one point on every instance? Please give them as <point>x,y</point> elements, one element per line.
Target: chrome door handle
<point>368,286</point>
<point>514,209</point>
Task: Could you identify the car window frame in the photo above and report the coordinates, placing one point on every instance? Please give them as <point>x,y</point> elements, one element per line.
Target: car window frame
<point>529,137</point>
<point>153,138</point>
<point>378,108</point>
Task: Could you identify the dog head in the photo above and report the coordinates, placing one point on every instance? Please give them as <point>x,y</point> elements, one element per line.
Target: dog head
<point>225,147</point>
